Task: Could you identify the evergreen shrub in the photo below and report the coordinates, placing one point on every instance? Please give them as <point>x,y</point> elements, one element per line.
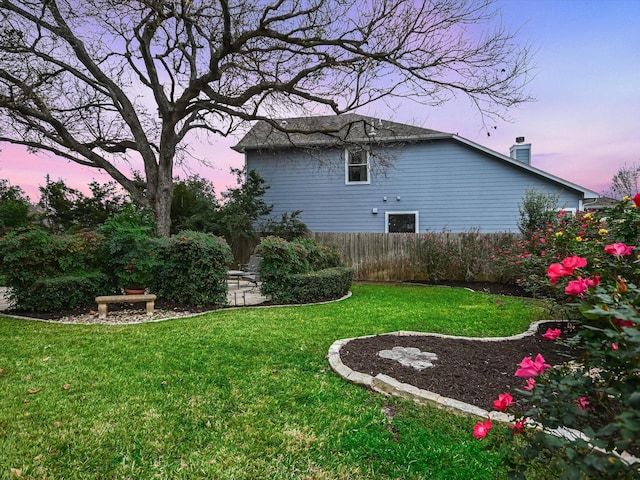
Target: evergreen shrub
<point>194,269</point>
<point>61,293</point>
<point>30,258</point>
<point>284,265</point>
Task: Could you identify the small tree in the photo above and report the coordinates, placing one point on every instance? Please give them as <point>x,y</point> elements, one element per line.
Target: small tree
<point>14,207</point>
<point>536,211</point>
<point>625,182</point>
<point>194,205</point>
<point>289,226</point>
<point>243,207</point>
<point>67,209</point>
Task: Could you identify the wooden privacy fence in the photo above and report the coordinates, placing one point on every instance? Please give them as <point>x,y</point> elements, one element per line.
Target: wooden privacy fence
<point>393,257</point>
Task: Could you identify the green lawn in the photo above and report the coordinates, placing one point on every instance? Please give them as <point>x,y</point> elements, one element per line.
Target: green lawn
<point>237,394</point>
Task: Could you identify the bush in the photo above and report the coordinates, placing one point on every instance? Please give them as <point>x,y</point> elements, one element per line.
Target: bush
<point>327,284</point>
<point>536,210</point>
<point>194,269</point>
<point>280,257</point>
<point>440,256</point>
<point>283,263</point>
<point>599,280</point>
<point>288,227</point>
<point>29,258</point>
<point>130,250</point>
<point>526,259</point>
<point>61,293</point>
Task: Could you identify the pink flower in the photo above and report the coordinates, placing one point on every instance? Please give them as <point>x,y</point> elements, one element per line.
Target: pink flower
<point>557,270</point>
<point>530,384</point>
<point>504,400</point>
<point>481,429</point>
<point>574,262</point>
<point>614,346</point>
<point>619,249</point>
<point>552,333</point>
<point>636,199</point>
<point>623,323</point>
<point>531,368</point>
<point>517,427</point>
<point>576,287</point>
<point>593,282</point>
<point>583,404</point>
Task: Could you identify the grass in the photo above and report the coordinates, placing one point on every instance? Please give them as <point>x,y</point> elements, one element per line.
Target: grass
<point>238,394</point>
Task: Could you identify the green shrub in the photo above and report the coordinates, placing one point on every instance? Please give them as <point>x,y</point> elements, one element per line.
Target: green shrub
<point>319,257</point>
<point>289,226</point>
<point>536,210</point>
<point>194,269</point>
<point>130,249</point>
<point>446,256</point>
<point>327,284</point>
<point>60,293</point>
<point>281,258</point>
<point>285,263</point>
<point>434,254</point>
<point>29,258</point>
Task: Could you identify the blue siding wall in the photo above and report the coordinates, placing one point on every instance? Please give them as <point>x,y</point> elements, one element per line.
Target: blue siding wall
<point>452,186</point>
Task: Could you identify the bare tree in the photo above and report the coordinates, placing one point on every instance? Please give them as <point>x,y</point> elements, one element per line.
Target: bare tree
<point>625,182</point>
<point>107,83</point>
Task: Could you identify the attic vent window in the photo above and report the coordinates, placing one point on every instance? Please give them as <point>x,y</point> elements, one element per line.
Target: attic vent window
<point>356,166</point>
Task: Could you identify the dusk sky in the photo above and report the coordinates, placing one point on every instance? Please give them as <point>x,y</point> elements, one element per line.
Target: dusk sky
<point>583,126</point>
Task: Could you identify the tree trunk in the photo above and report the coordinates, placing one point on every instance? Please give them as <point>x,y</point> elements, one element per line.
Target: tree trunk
<point>164,186</point>
<point>162,204</point>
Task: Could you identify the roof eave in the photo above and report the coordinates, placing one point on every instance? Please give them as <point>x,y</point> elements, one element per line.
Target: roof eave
<point>586,192</point>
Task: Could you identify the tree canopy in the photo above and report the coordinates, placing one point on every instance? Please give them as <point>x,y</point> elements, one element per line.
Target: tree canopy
<point>112,84</point>
<point>14,207</point>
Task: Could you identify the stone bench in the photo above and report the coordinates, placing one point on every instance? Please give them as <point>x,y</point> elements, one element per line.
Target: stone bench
<point>105,300</point>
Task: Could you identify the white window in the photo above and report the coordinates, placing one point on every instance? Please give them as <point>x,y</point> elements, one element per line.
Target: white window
<point>356,166</point>
<point>401,222</point>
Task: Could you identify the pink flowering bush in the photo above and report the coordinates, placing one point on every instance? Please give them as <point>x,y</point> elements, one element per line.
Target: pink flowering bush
<point>550,252</point>
<point>595,274</point>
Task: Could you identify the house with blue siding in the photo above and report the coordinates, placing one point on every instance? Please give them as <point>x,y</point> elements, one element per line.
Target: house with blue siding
<point>351,173</point>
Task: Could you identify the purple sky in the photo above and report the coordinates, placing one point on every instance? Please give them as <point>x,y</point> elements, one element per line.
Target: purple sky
<point>583,126</point>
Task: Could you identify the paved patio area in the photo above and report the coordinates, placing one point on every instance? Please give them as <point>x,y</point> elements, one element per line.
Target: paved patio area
<point>243,293</point>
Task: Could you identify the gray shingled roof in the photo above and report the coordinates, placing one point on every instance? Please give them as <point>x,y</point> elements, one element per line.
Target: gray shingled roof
<point>331,130</point>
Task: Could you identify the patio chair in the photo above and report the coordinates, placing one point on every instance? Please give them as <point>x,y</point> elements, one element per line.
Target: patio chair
<point>250,270</point>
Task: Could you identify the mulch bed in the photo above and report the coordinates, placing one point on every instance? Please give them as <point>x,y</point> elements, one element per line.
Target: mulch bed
<point>471,371</point>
